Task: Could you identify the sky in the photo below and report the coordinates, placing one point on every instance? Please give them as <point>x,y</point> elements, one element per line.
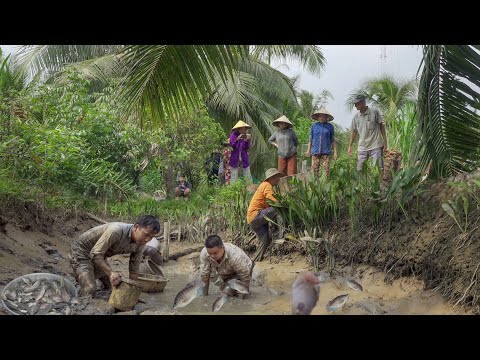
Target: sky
<point>347,66</point>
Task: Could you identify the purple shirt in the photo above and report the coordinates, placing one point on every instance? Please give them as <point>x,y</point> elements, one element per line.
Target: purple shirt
<point>239,147</point>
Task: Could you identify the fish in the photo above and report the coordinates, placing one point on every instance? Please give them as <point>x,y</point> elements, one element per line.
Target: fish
<point>353,284</point>
<point>305,293</point>
<point>41,293</point>
<point>44,309</point>
<point>10,295</point>
<point>336,303</point>
<point>66,296</point>
<point>35,286</point>
<point>57,298</point>
<point>187,294</point>
<point>75,301</point>
<point>11,305</point>
<point>56,288</point>
<point>33,308</point>
<point>322,276</point>
<point>221,300</point>
<point>26,280</point>
<point>48,299</point>
<point>234,284</point>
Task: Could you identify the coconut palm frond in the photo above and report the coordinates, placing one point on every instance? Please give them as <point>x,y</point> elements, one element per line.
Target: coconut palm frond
<point>309,56</point>
<point>448,131</point>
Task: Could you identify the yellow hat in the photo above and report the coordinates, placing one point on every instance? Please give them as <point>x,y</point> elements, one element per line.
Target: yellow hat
<point>240,124</point>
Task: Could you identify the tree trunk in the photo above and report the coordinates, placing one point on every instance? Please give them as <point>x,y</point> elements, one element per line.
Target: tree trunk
<point>169,179</point>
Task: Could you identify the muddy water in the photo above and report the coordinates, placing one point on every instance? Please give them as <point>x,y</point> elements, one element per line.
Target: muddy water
<point>404,296</point>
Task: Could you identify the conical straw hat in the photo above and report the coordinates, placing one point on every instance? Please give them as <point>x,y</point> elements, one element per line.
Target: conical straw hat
<point>240,124</point>
<point>283,119</point>
<point>322,111</point>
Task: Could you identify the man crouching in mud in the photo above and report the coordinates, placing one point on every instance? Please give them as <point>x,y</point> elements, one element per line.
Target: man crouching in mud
<point>231,263</point>
<point>91,249</point>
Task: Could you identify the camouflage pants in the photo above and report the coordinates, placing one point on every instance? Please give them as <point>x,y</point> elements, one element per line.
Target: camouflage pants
<point>324,161</point>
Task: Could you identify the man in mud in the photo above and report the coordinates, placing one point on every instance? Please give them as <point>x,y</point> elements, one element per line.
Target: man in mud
<point>230,262</point>
<point>91,249</point>
<point>372,138</point>
<point>259,209</point>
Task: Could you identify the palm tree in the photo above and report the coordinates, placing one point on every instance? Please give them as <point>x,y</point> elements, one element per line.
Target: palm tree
<point>388,94</point>
<point>160,81</point>
<point>310,102</point>
<point>448,131</point>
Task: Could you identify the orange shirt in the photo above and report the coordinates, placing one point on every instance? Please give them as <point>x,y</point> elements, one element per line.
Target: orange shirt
<point>259,200</point>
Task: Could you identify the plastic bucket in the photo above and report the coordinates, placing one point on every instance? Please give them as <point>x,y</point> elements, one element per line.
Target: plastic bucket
<point>152,283</point>
<point>149,267</point>
<point>125,295</point>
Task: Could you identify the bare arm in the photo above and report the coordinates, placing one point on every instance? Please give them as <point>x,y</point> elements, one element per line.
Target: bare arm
<point>100,262</point>
<point>352,139</point>
<point>205,270</point>
<point>309,148</point>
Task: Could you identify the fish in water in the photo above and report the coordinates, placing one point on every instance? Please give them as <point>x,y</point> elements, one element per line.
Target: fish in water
<point>353,284</point>
<point>187,294</point>
<point>234,284</point>
<point>335,304</point>
<point>221,300</point>
<point>305,292</point>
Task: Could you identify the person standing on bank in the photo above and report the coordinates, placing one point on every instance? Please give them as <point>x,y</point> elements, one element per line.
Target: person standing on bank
<point>240,141</point>
<point>372,138</point>
<point>286,141</point>
<point>322,140</point>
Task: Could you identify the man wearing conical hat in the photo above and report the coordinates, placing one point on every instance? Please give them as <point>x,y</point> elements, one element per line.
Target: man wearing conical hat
<point>372,138</point>
<point>259,208</point>
<point>240,142</point>
<point>322,140</point>
<point>286,141</point>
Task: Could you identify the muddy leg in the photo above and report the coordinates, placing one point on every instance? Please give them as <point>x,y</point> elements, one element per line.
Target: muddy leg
<point>264,239</point>
<point>87,283</point>
<point>105,280</point>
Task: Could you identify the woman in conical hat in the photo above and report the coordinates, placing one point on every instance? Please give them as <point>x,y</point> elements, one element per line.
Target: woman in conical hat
<point>240,142</point>
<point>286,141</point>
<point>322,139</point>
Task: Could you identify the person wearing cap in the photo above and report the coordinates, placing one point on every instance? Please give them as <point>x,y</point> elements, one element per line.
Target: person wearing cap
<point>372,138</point>
<point>240,141</point>
<point>322,140</point>
<point>259,208</point>
<point>286,141</point>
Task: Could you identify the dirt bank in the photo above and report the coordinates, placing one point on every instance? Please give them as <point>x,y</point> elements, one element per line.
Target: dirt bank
<point>399,267</point>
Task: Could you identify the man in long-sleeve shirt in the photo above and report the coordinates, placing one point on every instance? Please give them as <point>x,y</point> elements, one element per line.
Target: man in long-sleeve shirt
<point>259,208</point>
<point>91,249</point>
<point>229,260</point>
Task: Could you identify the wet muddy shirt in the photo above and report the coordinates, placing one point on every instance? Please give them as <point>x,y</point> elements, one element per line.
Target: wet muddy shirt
<point>234,263</point>
<point>108,240</point>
